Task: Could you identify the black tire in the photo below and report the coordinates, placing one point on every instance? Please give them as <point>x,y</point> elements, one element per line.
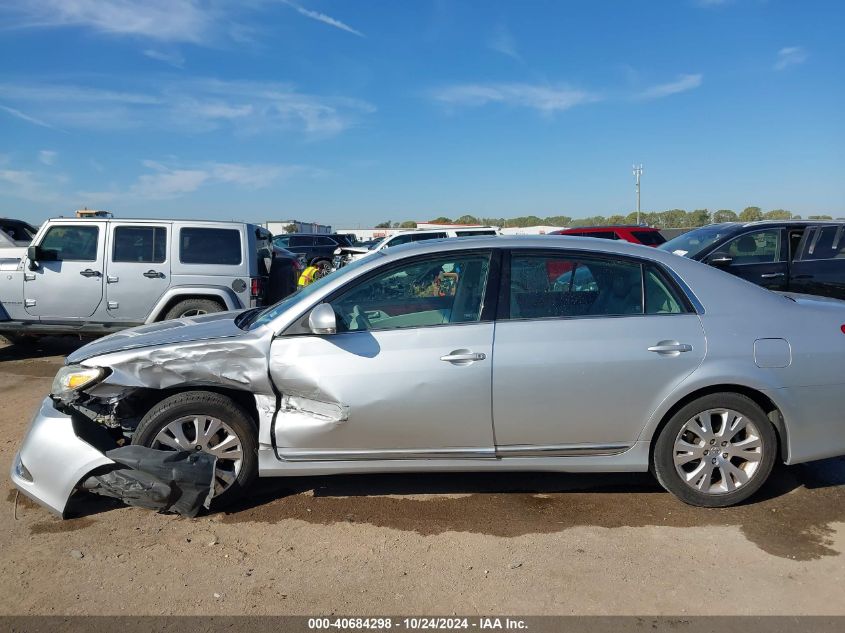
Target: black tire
<point>193,307</point>
<point>207,403</point>
<point>324,267</point>
<point>663,464</point>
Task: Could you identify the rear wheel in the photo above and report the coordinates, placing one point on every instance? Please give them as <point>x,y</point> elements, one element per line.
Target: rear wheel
<point>323,266</point>
<point>208,422</point>
<point>716,451</point>
<point>193,307</point>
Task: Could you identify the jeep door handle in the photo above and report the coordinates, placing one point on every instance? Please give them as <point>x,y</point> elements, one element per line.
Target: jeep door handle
<point>89,273</point>
<point>772,275</point>
<point>153,274</point>
<point>458,356</point>
<point>670,348</point>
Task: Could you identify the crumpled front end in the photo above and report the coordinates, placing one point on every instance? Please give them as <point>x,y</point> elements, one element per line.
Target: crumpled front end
<point>53,459</point>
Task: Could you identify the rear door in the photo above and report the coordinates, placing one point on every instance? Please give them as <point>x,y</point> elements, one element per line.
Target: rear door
<point>138,271</point>
<point>583,358</point>
<point>68,282</point>
<point>819,266</point>
<point>759,256</point>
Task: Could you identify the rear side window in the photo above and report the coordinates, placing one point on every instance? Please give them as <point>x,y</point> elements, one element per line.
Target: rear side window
<point>660,296</point>
<point>71,243</point>
<point>544,286</point>
<point>142,244</point>
<point>605,235</point>
<point>826,243</point>
<point>476,232</point>
<point>210,246</point>
<point>419,237</point>
<point>649,238</point>
<point>325,241</point>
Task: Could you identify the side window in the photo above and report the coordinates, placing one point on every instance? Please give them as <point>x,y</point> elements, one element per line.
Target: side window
<point>826,243</point>
<point>325,241</point>
<point>400,239</point>
<point>660,296</point>
<point>760,247</point>
<point>210,246</point>
<point>419,237</point>
<point>301,240</point>
<point>283,241</point>
<point>544,286</point>
<point>446,289</point>
<point>605,235</point>
<point>143,244</point>
<point>71,243</point>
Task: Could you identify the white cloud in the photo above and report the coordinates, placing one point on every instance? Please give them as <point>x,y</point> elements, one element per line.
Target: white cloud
<point>25,117</point>
<point>167,182</point>
<point>198,105</point>
<point>164,20</point>
<point>682,84</point>
<point>26,185</point>
<point>47,156</point>
<point>545,99</point>
<point>502,41</point>
<point>172,58</point>
<point>790,56</point>
<point>322,17</point>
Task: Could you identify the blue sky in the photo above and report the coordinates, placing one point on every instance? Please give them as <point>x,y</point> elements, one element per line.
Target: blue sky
<point>351,112</point>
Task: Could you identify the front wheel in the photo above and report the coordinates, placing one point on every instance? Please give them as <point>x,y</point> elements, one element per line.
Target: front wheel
<point>208,422</point>
<point>716,451</point>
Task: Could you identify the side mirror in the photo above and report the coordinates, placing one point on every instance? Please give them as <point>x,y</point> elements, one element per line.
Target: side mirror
<point>33,254</point>
<point>720,259</point>
<point>322,320</point>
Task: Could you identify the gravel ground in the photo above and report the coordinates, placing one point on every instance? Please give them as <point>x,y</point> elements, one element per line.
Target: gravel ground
<point>422,544</point>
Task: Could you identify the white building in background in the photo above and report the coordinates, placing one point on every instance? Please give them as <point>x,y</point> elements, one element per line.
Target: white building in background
<point>280,227</point>
<point>364,235</point>
<point>530,230</point>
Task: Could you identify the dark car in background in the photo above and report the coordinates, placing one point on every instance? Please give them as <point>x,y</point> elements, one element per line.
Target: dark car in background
<point>16,232</point>
<point>802,256</point>
<point>635,234</point>
<point>317,249</point>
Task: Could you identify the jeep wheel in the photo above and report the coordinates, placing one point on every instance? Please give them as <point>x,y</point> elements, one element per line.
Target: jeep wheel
<point>193,307</point>
<point>208,422</point>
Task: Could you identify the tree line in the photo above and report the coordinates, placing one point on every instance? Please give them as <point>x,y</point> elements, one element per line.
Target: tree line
<point>673,218</point>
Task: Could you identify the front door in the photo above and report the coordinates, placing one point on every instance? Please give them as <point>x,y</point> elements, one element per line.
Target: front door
<point>408,375</point>
<point>138,272</point>
<point>583,356</point>
<point>759,256</point>
<point>68,283</point>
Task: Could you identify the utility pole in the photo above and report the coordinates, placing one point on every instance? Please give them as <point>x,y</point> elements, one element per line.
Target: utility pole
<point>638,170</point>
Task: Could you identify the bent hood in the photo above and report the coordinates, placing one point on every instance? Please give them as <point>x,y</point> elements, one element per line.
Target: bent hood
<point>199,328</point>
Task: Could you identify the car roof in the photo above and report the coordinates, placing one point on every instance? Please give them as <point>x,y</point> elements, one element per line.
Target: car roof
<point>610,227</point>
<point>167,220</point>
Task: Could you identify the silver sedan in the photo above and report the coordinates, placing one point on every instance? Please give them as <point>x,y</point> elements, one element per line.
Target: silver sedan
<point>536,353</point>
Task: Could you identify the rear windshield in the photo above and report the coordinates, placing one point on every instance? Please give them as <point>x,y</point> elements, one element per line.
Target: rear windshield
<point>650,238</point>
<point>693,242</point>
<point>210,246</point>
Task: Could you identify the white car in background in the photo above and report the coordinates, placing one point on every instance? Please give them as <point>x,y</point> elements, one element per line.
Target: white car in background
<point>347,254</point>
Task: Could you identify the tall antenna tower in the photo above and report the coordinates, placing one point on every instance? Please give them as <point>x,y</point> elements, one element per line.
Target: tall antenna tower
<point>638,171</point>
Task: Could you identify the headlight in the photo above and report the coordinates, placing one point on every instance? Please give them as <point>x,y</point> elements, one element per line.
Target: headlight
<point>75,377</point>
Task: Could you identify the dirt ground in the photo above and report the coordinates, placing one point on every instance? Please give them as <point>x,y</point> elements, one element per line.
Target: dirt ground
<point>422,544</point>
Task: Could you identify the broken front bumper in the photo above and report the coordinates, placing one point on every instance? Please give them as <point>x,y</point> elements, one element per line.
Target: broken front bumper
<point>53,459</point>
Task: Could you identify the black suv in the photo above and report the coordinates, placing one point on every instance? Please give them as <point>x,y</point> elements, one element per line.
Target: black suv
<point>317,248</point>
<point>791,255</point>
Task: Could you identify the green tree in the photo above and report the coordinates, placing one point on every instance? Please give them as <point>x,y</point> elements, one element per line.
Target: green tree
<point>441,220</point>
<point>467,219</point>
<point>557,220</point>
<point>725,215</point>
<point>819,217</point>
<point>408,224</point>
<point>617,220</point>
<point>751,214</point>
<point>699,217</point>
<point>383,225</point>
<point>290,228</point>
<point>674,218</point>
<point>777,214</point>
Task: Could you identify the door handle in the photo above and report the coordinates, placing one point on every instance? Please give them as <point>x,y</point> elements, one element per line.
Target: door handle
<point>667,347</point>
<point>460,356</point>
<point>89,273</point>
<point>112,279</point>
<point>772,275</point>
<point>153,274</point>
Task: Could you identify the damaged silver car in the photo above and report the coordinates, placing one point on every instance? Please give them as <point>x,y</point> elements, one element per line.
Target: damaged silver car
<point>466,355</point>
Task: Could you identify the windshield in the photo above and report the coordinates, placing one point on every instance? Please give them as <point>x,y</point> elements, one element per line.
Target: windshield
<point>262,318</point>
<point>693,242</point>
